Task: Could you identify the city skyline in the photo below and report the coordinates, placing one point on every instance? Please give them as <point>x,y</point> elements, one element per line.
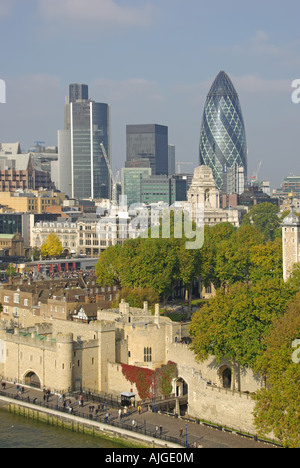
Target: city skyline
<point>154,62</point>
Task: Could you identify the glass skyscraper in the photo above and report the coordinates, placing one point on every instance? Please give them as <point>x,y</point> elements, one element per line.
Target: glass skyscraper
<point>147,144</point>
<point>223,145</point>
<point>82,171</point>
<point>89,127</point>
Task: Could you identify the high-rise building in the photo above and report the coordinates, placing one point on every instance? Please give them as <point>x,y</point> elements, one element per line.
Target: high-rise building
<point>131,183</point>
<point>78,92</point>
<point>223,145</point>
<point>171,160</point>
<point>82,172</point>
<point>147,145</point>
<point>161,188</point>
<point>90,125</point>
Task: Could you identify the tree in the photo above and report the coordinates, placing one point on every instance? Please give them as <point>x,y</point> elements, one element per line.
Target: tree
<point>265,217</point>
<point>11,270</point>
<point>235,322</point>
<point>265,260</point>
<point>189,269</point>
<point>137,296</point>
<point>277,407</point>
<point>232,259</point>
<point>52,247</point>
<point>108,266</point>
<point>213,237</point>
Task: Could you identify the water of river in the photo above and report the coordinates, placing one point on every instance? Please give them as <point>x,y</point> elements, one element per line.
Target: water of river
<point>18,432</point>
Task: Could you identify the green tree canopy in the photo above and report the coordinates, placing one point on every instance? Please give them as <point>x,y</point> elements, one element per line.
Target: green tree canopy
<point>277,407</point>
<point>265,217</point>
<point>235,322</point>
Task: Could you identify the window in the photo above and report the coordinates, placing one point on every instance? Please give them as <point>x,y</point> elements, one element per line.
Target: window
<point>147,354</point>
<point>16,298</point>
<point>6,299</point>
<point>26,302</point>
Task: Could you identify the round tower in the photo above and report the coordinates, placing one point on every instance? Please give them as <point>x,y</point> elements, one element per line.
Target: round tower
<point>290,243</point>
<point>64,362</point>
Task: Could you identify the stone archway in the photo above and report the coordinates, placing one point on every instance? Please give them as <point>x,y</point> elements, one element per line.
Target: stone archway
<point>32,380</point>
<point>181,391</point>
<point>181,387</point>
<point>225,377</point>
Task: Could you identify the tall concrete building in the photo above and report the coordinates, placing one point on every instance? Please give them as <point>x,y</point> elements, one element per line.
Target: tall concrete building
<point>147,145</point>
<point>82,172</point>
<point>223,145</point>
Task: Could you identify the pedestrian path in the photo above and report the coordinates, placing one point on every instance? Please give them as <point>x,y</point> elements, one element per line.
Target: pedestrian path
<point>189,433</point>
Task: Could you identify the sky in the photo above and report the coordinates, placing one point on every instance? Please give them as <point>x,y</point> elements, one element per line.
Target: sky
<point>154,61</point>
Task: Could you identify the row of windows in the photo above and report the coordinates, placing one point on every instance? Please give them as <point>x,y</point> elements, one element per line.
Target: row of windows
<point>16,300</point>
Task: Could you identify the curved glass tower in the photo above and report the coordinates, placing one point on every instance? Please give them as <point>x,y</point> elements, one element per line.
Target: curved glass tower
<point>223,144</point>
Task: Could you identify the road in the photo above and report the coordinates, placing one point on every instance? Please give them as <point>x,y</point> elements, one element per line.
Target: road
<point>197,435</point>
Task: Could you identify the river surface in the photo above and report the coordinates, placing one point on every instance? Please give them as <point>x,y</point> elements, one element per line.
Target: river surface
<point>18,432</point>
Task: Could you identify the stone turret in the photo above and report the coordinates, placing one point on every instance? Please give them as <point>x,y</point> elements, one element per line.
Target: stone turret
<point>64,362</point>
<point>290,243</point>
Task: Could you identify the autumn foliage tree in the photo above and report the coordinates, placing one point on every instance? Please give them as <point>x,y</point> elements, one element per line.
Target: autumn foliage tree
<point>52,247</point>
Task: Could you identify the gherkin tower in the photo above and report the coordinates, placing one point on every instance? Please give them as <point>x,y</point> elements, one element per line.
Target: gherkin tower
<point>223,144</point>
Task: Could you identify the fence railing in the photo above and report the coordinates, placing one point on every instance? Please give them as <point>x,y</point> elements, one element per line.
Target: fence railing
<point>144,429</point>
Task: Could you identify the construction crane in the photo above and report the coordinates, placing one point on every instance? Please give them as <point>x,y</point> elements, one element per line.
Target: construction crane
<point>179,164</point>
<point>114,179</point>
<point>255,174</point>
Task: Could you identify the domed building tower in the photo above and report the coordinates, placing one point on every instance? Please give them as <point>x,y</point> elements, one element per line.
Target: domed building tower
<point>223,145</point>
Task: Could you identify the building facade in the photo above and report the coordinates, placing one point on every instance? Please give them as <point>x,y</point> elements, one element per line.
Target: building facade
<point>148,144</point>
<point>223,144</point>
<point>132,183</point>
<point>72,355</point>
<point>204,198</point>
<point>155,189</point>
<point>291,184</point>
<point>90,126</point>
<point>28,202</point>
<point>171,160</point>
<point>81,170</point>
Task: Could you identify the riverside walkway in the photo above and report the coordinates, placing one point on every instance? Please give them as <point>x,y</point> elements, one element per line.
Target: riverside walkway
<point>183,432</point>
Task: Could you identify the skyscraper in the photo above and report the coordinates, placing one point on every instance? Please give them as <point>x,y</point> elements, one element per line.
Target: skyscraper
<point>78,92</point>
<point>223,145</point>
<point>147,145</point>
<point>83,173</point>
<point>171,160</point>
<point>90,125</point>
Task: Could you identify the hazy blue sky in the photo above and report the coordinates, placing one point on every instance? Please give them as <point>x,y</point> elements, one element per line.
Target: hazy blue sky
<point>154,62</point>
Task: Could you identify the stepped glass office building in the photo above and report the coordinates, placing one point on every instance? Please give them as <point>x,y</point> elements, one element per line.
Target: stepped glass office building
<point>82,171</point>
<point>223,145</point>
